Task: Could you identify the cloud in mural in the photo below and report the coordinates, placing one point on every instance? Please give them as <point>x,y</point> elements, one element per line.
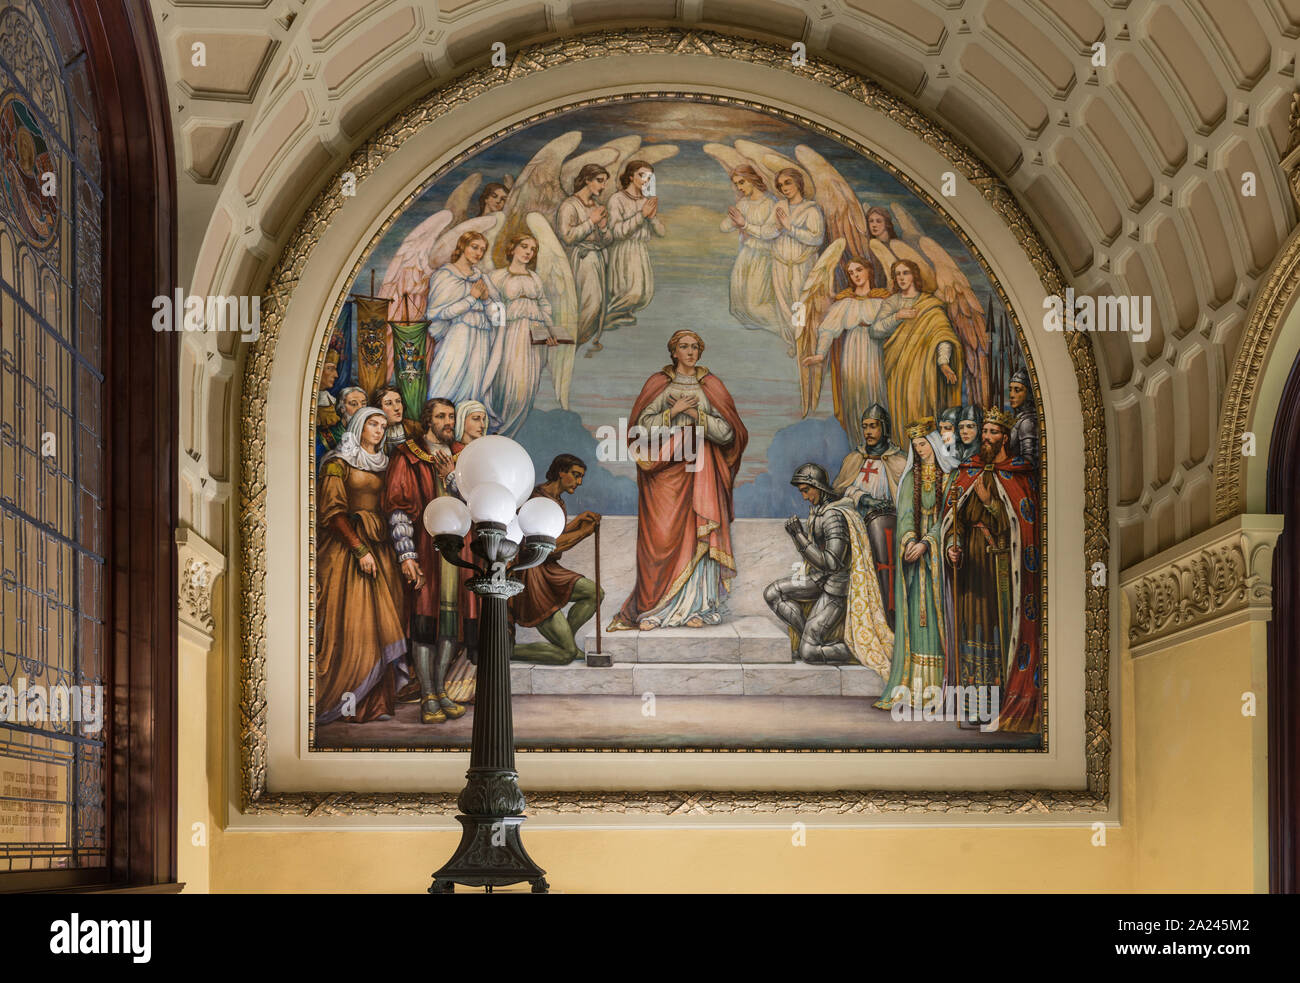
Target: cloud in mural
<point>548,433</point>
<point>821,441</point>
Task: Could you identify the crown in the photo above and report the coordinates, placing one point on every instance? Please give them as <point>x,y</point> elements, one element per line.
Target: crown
<point>1003,418</point>
<point>332,357</point>
<point>921,427</point>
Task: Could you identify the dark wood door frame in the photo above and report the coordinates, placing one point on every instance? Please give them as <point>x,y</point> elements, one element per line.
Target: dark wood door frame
<point>1284,647</point>
<point>130,92</point>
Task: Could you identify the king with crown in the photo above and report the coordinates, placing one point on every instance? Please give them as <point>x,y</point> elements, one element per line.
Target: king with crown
<point>990,534</point>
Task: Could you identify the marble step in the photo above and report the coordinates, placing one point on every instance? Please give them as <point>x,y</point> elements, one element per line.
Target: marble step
<point>744,640</point>
<point>695,679</point>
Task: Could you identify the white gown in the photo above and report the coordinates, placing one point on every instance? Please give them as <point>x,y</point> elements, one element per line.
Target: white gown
<point>528,319</point>
<point>468,349</point>
<point>794,252</point>
<point>862,371</point>
<point>629,277</point>
<point>753,302</point>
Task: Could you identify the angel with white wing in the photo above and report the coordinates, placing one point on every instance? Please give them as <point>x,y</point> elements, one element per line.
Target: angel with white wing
<point>532,333</point>
<point>843,334</point>
<point>939,275</point>
<point>467,348</point>
<point>753,218</point>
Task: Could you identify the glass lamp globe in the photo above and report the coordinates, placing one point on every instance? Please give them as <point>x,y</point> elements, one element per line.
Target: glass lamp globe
<point>497,460</point>
<point>491,502</point>
<point>513,532</point>
<point>446,516</point>
<point>541,517</point>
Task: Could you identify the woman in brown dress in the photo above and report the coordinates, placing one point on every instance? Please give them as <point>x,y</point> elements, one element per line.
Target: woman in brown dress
<point>360,603</point>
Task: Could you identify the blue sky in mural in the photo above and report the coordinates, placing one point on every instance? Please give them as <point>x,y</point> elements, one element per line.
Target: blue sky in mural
<point>692,268</point>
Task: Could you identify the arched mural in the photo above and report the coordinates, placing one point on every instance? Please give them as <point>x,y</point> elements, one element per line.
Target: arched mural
<point>782,401</point>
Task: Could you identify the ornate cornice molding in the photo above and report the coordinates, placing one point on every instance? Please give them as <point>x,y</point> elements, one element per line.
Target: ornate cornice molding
<point>1215,580</point>
<point>199,565</point>
<point>255,798</point>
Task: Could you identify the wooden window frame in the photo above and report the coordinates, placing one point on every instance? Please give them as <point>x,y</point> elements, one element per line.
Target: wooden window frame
<point>141,372</point>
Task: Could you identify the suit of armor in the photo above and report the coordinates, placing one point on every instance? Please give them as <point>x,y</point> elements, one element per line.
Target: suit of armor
<point>826,551</point>
<point>1023,441</point>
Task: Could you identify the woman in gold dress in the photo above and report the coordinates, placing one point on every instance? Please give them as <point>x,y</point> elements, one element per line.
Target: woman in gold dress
<point>360,616</point>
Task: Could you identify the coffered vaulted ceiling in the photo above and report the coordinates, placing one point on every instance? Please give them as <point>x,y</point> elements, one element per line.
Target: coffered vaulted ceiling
<point>1132,170</point>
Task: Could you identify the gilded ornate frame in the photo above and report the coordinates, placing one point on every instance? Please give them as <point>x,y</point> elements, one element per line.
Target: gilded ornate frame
<point>252,521</point>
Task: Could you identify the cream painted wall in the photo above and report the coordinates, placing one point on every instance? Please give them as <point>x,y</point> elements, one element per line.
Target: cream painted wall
<point>1201,768</point>
<point>1193,778</point>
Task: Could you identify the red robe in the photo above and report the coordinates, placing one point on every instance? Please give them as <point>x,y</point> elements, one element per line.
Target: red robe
<point>682,515</point>
<point>1021,699</point>
<point>412,483</point>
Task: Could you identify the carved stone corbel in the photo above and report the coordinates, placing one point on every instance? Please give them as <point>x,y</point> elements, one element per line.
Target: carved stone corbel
<point>1214,580</point>
<point>200,564</point>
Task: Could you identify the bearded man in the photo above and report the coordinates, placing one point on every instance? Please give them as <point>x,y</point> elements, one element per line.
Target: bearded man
<point>990,530</point>
<point>441,615</point>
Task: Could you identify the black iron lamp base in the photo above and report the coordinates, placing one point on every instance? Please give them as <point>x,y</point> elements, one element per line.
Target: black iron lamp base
<point>490,855</point>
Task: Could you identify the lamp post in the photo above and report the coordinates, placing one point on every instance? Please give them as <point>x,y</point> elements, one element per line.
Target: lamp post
<point>511,532</point>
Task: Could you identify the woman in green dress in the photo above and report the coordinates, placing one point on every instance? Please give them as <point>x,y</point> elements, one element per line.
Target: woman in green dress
<point>916,670</point>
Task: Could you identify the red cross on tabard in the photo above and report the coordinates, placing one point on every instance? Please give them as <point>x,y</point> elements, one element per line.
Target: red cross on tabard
<point>869,471</point>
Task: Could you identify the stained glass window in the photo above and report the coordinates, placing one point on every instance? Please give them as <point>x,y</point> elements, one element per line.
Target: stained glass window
<point>53,696</point>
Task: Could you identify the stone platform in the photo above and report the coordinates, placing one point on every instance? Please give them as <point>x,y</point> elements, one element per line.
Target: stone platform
<point>748,654</point>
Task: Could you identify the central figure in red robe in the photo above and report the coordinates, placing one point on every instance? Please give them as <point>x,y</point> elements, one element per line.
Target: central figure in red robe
<point>687,440</point>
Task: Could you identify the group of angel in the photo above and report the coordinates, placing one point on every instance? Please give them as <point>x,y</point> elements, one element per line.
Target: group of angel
<point>553,259</point>
<point>836,281</point>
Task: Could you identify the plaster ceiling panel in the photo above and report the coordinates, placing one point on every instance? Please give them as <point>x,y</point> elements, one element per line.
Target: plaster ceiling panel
<point>1164,519</point>
<point>888,60</point>
<point>1194,380</point>
<point>1112,140</point>
<point>923,26</point>
<point>1059,222</point>
<point>1213,240</point>
<point>1163,425</point>
<point>1275,118</point>
<point>1032,45</point>
<point>1078,18</point>
<point>270,141</point>
<point>384,93</point>
<point>1005,87</point>
<point>594,11</point>
<point>207,145</point>
<point>365,48</point>
<point>985,135</point>
<point>1127,441</point>
<point>1177,274</point>
<point>1090,186</point>
<point>455,6</point>
<point>234,63</point>
<point>1242,43</point>
<point>333,15</point>
<point>310,162</point>
<point>1254,213</point>
<point>1196,501</point>
<point>1138,283</point>
<point>1192,75</point>
<point>1288,11</point>
<point>472,44</point>
<point>773,18</point>
<point>1156,123</point>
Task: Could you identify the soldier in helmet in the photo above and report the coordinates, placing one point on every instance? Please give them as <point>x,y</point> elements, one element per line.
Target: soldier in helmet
<point>869,479</point>
<point>1024,435</point>
<point>814,605</point>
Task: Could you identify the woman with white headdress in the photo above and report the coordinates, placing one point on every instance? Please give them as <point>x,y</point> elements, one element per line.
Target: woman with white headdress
<point>916,670</point>
<point>360,601</point>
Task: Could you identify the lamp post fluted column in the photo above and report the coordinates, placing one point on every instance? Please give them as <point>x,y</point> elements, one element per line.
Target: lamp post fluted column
<point>509,532</point>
